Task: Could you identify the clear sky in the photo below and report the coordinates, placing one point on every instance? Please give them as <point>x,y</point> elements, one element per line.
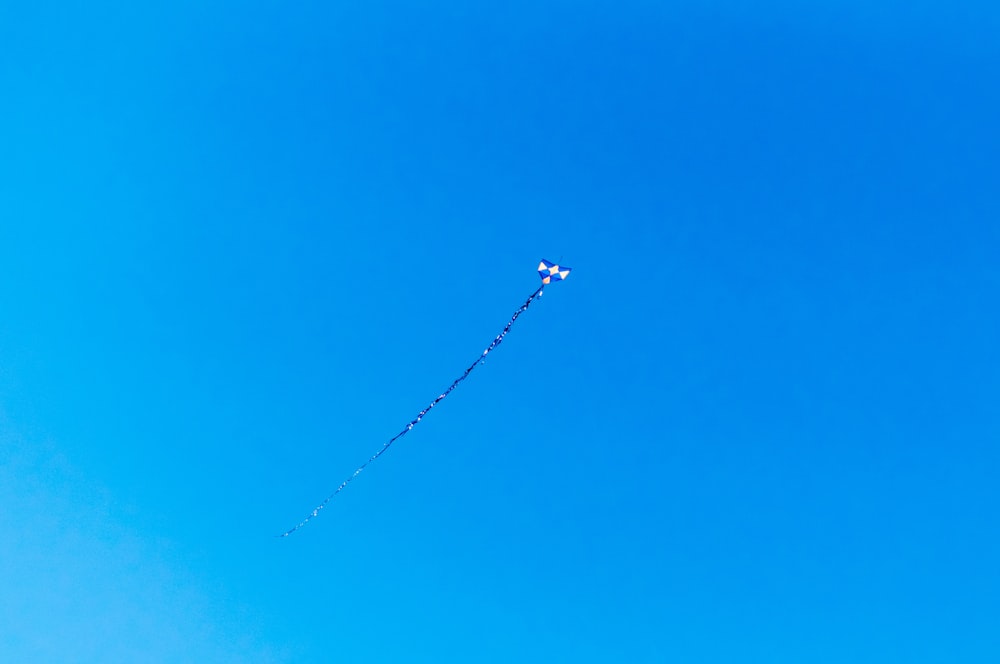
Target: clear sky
<point>242,244</point>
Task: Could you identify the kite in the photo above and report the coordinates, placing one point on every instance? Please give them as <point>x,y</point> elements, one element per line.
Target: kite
<point>548,272</point>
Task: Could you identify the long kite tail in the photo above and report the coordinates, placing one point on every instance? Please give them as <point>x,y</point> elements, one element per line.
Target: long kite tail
<point>479,360</point>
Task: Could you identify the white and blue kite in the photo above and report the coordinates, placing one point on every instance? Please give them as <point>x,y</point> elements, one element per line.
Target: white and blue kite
<point>549,272</point>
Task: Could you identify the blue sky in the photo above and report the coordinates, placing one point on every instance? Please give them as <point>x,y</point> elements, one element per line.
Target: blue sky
<point>241,245</point>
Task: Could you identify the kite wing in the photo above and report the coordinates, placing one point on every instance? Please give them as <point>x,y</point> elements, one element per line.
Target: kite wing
<point>550,272</point>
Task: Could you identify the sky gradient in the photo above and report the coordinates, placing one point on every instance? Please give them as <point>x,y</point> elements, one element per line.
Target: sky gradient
<point>241,245</point>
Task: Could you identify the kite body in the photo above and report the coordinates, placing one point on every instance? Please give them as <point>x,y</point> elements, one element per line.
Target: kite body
<point>548,272</point>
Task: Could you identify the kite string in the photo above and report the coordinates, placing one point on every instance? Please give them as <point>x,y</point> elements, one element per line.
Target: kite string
<point>412,423</point>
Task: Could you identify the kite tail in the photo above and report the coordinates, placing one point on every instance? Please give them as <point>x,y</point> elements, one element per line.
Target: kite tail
<point>416,420</point>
